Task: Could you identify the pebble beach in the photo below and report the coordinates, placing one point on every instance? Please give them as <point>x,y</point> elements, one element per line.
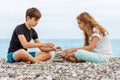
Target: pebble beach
<point>60,70</point>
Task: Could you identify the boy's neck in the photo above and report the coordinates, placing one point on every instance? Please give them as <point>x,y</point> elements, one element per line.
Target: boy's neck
<point>28,26</point>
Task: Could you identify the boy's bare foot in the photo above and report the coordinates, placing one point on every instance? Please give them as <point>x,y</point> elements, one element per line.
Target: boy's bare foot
<point>28,62</point>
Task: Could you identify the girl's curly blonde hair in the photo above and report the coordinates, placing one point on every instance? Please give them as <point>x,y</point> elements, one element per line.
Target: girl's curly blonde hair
<point>90,23</point>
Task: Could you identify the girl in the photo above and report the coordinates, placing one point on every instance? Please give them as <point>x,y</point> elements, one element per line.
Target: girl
<point>97,46</point>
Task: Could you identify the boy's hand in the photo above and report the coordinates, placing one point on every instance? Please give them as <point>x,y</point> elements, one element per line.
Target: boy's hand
<point>46,49</point>
<point>48,44</point>
<point>57,48</point>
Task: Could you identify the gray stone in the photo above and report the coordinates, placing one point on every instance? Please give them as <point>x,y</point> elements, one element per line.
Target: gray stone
<point>60,71</point>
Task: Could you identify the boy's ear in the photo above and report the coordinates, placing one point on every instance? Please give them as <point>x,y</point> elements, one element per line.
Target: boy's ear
<point>27,17</point>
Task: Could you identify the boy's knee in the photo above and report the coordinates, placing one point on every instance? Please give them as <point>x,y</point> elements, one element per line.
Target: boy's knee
<point>22,51</point>
<point>18,54</point>
<point>50,54</point>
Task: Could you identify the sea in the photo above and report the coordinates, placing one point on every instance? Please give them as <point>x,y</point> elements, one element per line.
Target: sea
<point>64,43</point>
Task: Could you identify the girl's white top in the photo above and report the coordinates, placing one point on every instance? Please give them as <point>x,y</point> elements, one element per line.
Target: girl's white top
<point>103,46</point>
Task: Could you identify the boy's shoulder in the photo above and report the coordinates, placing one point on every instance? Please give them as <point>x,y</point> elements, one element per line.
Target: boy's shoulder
<point>23,24</point>
<point>20,26</point>
<point>23,27</point>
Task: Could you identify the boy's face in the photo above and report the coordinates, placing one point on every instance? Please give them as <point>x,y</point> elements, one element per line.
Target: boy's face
<point>32,21</point>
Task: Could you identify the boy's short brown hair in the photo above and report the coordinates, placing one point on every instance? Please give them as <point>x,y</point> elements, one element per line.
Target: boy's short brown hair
<point>33,12</point>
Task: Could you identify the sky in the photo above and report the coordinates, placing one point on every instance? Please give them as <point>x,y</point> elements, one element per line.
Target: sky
<point>58,19</point>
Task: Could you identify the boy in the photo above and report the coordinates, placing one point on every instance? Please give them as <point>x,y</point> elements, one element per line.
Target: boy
<point>20,41</point>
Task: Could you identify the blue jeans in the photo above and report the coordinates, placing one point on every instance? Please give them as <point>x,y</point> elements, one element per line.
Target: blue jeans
<point>10,56</point>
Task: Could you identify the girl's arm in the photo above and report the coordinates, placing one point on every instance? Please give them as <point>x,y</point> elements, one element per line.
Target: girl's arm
<point>92,44</point>
<point>90,47</point>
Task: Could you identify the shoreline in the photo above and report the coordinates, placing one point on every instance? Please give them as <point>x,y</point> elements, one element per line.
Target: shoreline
<point>60,71</point>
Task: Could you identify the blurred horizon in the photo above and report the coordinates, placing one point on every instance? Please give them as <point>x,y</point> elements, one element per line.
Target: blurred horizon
<point>58,19</point>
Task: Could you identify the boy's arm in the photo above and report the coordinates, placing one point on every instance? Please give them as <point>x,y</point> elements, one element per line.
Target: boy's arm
<point>26,44</point>
<point>37,41</point>
<point>44,49</point>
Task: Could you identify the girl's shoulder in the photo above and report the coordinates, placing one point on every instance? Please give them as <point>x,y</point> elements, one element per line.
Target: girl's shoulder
<point>95,30</point>
<point>96,33</point>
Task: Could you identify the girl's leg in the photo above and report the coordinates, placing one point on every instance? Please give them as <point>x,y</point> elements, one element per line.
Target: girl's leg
<point>89,56</point>
<point>72,58</point>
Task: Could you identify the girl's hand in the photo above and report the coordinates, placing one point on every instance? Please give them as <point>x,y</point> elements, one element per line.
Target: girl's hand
<point>70,50</point>
<point>67,56</point>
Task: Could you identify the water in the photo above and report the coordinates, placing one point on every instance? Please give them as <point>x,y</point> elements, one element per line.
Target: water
<point>64,43</point>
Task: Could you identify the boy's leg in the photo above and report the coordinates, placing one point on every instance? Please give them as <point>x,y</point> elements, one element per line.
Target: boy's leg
<point>43,56</point>
<point>22,55</point>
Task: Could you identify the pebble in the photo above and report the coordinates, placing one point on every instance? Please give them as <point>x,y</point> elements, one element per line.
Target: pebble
<point>60,70</point>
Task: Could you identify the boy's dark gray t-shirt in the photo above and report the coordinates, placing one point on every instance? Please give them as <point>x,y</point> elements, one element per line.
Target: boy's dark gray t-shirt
<point>21,29</point>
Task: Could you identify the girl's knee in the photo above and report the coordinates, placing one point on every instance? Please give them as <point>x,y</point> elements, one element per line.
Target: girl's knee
<point>80,54</point>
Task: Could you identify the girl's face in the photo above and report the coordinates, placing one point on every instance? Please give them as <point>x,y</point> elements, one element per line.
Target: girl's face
<point>81,24</point>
